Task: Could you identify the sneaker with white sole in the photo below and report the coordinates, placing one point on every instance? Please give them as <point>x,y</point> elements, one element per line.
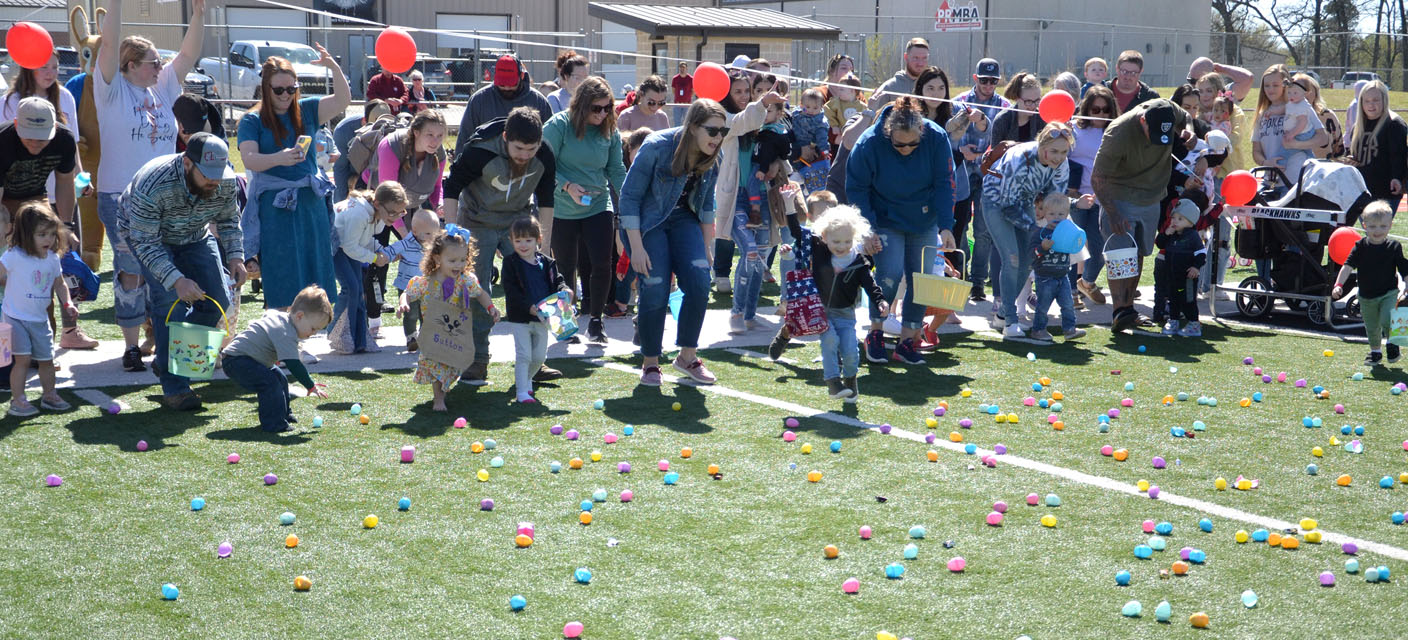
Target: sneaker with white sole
<point>1042,335</point>
<point>651,376</point>
<point>307,358</point>
<point>1171,328</point>
<point>736,325</point>
<point>875,348</point>
<point>57,404</point>
<point>1014,331</point>
<point>723,285</point>
<point>1193,329</point>
<point>22,410</point>
<point>997,323</point>
<point>1392,352</point>
<point>837,389</point>
<point>696,371</point>
<point>906,353</point>
<point>1075,333</point>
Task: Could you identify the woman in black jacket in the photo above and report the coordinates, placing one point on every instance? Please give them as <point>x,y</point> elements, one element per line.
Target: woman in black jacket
<point>1379,144</point>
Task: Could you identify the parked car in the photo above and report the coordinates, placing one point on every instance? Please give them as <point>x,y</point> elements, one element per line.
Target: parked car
<point>197,82</point>
<point>1350,77</point>
<point>237,76</point>
<point>438,74</point>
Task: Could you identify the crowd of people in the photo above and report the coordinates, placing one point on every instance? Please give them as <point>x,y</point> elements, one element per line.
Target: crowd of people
<point>633,211</point>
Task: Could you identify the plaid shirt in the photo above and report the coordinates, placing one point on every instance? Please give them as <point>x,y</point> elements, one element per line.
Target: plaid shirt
<point>157,209</point>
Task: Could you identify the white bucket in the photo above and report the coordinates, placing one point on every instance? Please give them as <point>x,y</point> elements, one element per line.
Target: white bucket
<point>1122,263</point>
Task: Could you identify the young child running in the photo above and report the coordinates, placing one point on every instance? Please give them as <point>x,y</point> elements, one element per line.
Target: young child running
<point>1052,271</point>
<point>841,273</point>
<point>446,274</point>
<point>817,203</point>
<point>408,252</point>
<point>1176,276</point>
<point>528,278</point>
<point>1379,261</point>
<point>252,358</point>
<point>31,273</point>
<point>358,219</point>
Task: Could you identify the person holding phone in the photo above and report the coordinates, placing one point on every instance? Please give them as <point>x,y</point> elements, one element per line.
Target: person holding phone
<point>584,140</point>
<point>288,197</point>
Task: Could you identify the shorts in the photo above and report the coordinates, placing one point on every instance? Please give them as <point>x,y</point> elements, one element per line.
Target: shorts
<point>1142,219</point>
<point>33,339</point>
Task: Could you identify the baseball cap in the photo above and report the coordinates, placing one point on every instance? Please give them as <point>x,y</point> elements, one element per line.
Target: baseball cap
<point>506,72</point>
<point>988,68</point>
<point>1188,210</point>
<point>210,155</point>
<point>191,112</point>
<point>740,61</point>
<point>1161,119</point>
<point>34,120</point>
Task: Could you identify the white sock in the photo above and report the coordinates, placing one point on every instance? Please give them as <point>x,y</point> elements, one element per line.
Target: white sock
<point>524,397</point>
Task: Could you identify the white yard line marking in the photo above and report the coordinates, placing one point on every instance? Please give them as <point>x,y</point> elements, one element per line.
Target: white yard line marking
<point>1034,465</point>
<point>99,399</point>
<point>759,356</point>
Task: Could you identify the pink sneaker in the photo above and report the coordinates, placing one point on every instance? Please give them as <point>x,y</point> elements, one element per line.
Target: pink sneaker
<point>650,376</point>
<point>696,371</point>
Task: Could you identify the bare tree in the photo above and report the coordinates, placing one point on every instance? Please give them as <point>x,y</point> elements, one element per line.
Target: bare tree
<point>1279,18</point>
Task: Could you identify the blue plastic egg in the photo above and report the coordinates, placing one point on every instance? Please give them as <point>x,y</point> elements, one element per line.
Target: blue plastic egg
<point>1260,535</point>
<point>1177,432</point>
<point>1371,574</point>
<point>197,503</point>
<point>1317,389</point>
<point>1036,386</point>
<point>586,505</point>
<point>1311,469</point>
<point>1346,430</point>
<point>490,444</point>
<point>672,477</point>
<point>1359,431</point>
<point>993,409</point>
<point>1104,427</point>
<point>1129,386</point>
<point>582,575</point>
<point>1182,396</point>
<point>1357,376</point>
<point>983,407</point>
<point>497,462</point>
<point>917,532</point>
<point>517,603</point>
<point>599,495</point>
<point>894,571</point>
<point>835,446</point>
<point>1205,524</point>
<point>1386,482</point>
<point>1351,566</point>
<point>1397,517</point>
<point>1256,397</point>
<point>356,409</point>
<point>628,430</point>
<point>970,448</point>
<point>287,518</point>
<point>170,592</point>
<point>911,552</point>
<point>404,504</point>
<point>1197,556</point>
<point>599,404</point>
<point>1158,544</point>
<point>1317,422</point>
<point>1307,422</point>
<point>1164,528</point>
<point>1395,390</point>
<point>1053,500</point>
<point>1122,578</point>
<point>317,422</point>
<point>1103,418</point>
<point>1383,572</point>
<point>1043,403</point>
<point>1056,407</point>
<point>1212,402</point>
<point>1199,425</point>
<point>1143,552</point>
<point>1143,348</point>
<point>555,467</point>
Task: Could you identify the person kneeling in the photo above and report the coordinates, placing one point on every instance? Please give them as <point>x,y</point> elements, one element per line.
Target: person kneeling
<point>252,358</point>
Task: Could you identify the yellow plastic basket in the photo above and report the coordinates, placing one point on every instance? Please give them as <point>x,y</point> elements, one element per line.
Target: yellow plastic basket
<point>937,290</point>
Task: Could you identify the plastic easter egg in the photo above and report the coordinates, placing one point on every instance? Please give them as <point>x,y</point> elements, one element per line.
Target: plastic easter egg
<point>1180,568</point>
<point>1317,389</point>
<point>482,475</point>
<point>1147,526</point>
<point>554,430</point>
<point>404,504</point>
<point>672,477</point>
<point>1143,348</point>
<point>599,404</point>
<point>835,446</point>
<point>290,541</point>
<point>965,423</point>
<point>994,519</point>
<point>1317,452</point>
<point>1273,539</point>
<point>287,518</point>
<point>1327,579</point>
<point>1048,521</point>
<point>1317,422</point>
<point>523,540</point>
<point>170,591</point>
<point>1199,620</point>
<point>999,506</point>
<point>1398,517</point>
<point>1197,556</point>
<point>233,458</point>
<point>1261,535</point>
<point>582,575</point>
<point>1205,525</point>
<point>517,603</point>
<point>1351,566</point>
<point>1313,537</point>
<point>1244,484</point>
<point>1281,377</point>
<point>1107,450</point>
<point>1121,454</point>
<point>555,467</point>
<point>302,583</point>
<point>830,552</point>
<point>1164,528</point>
<point>370,521</point>
<point>1245,402</point>
<point>596,456</point>
<point>1159,462</point>
<point>1033,499</point>
<point>1029,401</point>
<point>1241,536</point>
<point>364,419</point>
<point>917,532</point>
<point>1031,357</point>
<point>894,571</point>
<point>1300,383</point>
<point>1256,397</point>
<point>966,393</point>
<point>572,630</point>
<point>623,467</point>
<point>270,479</point>
<point>584,517</point>
<point>885,429</point>
<point>1056,406</point>
<point>1383,573</point>
<point>1220,484</point>
<point>999,449</point>
<point>813,476</point>
<point>686,452</point>
<point>1053,500</point>
<point>957,564</point>
<point>197,503</point>
<point>1343,480</point>
<point>911,551</point>
<point>496,462</point>
<point>1122,578</point>
<point>1371,574</point>
<point>1143,552</point>
<point>789,436</point>
<point>486,504</point>
<point>1339,408</point>
<point>1132,609</point>
<point>1386,482</point>
<point>970,448</point>
<point>676,406</point>
<point>932,456</point>
<point>852,585</point>
<point>865,533</point>
<point>628,430</point>
<point>572,434</point>
<point>1290,542</point>
<point>1395,391</point>
<point>1358,376</point>
<point>1104,427</point>
<point>1154,492</point>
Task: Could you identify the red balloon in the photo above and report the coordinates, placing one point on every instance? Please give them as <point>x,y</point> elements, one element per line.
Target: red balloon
<point>1057,106</point>
<point>30,45</point>
<point>395,50</point>
<point>711,81</point>
<point>1239,187</point>
<point>1341,241</point>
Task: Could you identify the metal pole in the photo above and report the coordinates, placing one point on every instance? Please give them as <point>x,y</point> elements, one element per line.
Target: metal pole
<point>1038,48</point>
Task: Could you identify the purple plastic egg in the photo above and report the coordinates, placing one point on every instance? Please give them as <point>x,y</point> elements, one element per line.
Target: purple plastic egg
<point>999,506</point>
<point>572,434</point>
<point>939,412</point>
<point>1266,379</point>
<point>1185,552</point>
<point>999,449</point>
<point>141,445</point>
<point>270,478</point>
<point>556,430</point>
<point>623,467</point>
<point>1247,360</point>
<point>486,504</point>
<point>1154,492</point>
<point>1159,462</point>
<point>53,480</point>
<point>930,438</point>
<point>1327,579</point>
<point>885,428</point>
<point>1300,383</point>
<point>966,424</point>
<point>1349,548</point>
<point>1113,413</point>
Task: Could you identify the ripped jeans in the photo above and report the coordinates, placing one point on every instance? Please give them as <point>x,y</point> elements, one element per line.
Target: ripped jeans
<point>129,305</point>
<point>752,265</point>
<point>675,246</point>
<point>901,256</point>
<point>1010,243</point>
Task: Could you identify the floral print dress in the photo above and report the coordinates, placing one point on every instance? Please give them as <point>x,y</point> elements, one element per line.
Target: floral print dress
<point>422,287</point>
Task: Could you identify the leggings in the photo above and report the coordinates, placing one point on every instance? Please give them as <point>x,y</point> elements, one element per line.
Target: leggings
<point>596,230</point>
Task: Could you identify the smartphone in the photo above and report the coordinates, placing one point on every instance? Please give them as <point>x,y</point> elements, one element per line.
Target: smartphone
<point>304,142</point>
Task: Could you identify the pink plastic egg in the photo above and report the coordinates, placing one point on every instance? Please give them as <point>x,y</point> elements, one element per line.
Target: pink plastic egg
<point>1051,419</point>
<point>1339,408</point>
<point>1148,526</point>
<point>610,438</point>
<point>663,465</point>
<point>1028,401</point>
<point>1281,377</point>
<point>141,445</point>
<point>851,585</point>
<point>1256,371</point>
<point>572,630</point>
<point>865,532</point>
<point>1107,450</point>
<point>1127,402</point>
<point>461,423</point>
<point>788,436</point>
<point>233,458</point>
<point>627,495</point>
<point>994,519</point>
<point>957,565</point>
<point>999,506</point>
<point>1033,499</point>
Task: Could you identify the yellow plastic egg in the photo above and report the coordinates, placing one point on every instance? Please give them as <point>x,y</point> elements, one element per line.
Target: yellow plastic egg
<point>967,393</point>
<point>806,449</point>
<point>302,583</point>
<point>686,452</point>
<point>1220,484</point>
<point>1313,537</point>
<point>1048,520</point>
<point>1241,537</point>
<point>576,463</point>
<point>933,456</point>
<point>291,541</point>
<point>1012,418</point>
<point>676,406</point>
<point>1244,485</point>
<point>813,476</point>
<point>954,436</point>
<point>1000,418</point>
<point>931,423</point>
<point>477,447</point>
<point>1317,452</point>
<point>585,517</point>
<point>370,521</point>
<point>1403,477</point>
<point>1308,524</point>
<point>1334,442</point>
<point>884,635</point>
<point>483,475</point>
<point>1142,485</point>
<point>596,456</point>
<point>713,469</point>
<point>1329,353</point>
<point>523,540</point>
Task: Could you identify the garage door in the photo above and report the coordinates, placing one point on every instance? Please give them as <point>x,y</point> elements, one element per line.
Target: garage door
<point>252,24</point>
<point>462,22</point>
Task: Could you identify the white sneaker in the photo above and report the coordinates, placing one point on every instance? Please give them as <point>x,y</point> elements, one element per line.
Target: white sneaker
<point>736,325</point>
<point>1193,329</point>
<point>723,285</point>
<point>1014,331</point>
<point>374,328</point>
<point>891,326</point>
<point>996,322</point>
<point>307,358</point>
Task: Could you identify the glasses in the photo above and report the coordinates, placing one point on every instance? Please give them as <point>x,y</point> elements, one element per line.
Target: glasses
<point>904,145</point>
<point>290,90</point>
<point>1100,110</point>
<point>987,80</point>
<point>1130,72</point>
<point>715,132</point>
<point>156,63</point>
<point>655,103</point>
<point>600,108</point>
<point>1030,103</point>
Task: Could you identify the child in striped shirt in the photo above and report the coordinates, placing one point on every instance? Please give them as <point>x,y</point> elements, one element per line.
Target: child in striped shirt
<point>409,251</point>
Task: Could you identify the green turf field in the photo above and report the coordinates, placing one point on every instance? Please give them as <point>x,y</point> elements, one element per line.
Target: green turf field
<point>739,556</point>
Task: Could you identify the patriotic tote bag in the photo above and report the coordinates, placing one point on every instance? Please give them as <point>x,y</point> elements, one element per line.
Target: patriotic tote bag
<point>806,315</point>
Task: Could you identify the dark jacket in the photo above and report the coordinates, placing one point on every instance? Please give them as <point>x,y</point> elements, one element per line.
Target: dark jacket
<point>1144,94</point>
<point>517,306</point>
<point>488,104</point>
<point>839,290</point>
<point>1388,163</point>
<point>1182,250</point>
<point>1004,127</point>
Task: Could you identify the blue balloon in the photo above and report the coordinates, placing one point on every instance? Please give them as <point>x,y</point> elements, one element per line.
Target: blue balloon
<point>517,603</point>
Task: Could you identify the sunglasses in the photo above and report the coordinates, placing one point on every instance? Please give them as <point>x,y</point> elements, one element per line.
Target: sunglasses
<point>715,132</point>
<point>290,90</point>
<point>987,80</point>
<point>904,145</point>
<point>1099,110</point>
<point>600,108</point>
<point>655,103</point>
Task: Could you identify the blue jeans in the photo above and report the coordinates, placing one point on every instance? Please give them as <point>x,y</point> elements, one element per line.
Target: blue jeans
<point>1089,221</point>
<point>490,242</point>
<point>198,261</point>
<point>748,276</point>
<point>676,247</point>
<point>350,297</point>
<point>982,263</point>
<point>1058,289</point>
<point>840,353</point>
<point>129,305</point>
<point>269,384</point>
<point>901,256</point>
<point>1010,245</point>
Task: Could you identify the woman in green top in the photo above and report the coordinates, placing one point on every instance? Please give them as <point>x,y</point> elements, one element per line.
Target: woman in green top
<point>587,149</point>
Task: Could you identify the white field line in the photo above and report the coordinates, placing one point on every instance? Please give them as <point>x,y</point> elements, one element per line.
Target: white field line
<point>1034,465</point>
<point>99,399</point>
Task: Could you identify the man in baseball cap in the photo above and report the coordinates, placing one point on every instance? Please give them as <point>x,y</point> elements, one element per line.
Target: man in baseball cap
<point>511,88</point>
<point>210,155</point>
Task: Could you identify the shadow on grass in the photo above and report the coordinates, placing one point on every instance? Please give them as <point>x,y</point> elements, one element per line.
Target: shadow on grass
<point>653,405</point>
<point>156,426</point>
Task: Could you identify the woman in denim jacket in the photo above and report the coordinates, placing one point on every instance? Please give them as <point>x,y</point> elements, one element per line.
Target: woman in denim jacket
<point>667,211</point>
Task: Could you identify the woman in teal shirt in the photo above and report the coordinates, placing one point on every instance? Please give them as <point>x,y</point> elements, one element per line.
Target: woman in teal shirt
<point>587,148</point>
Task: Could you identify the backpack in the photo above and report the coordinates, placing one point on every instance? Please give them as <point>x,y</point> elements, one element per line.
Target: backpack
<point>805,315</point>
<point>361,152</point>
<point>82,283</point>
<point>992,155</point>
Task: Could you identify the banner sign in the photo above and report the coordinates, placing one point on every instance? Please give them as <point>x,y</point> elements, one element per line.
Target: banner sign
<point>957,17</point>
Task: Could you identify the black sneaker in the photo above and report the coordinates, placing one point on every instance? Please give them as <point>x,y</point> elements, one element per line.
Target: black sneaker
<point>779,343</point>
<point>1374,359</point>
<point>875,348</point>
<point>906,353</point>
<point>132,359</point>
<point>977,295</point>
<point>412,346</point>
<point>184,401</point>
<point>1124,320</point>
<point>595,332</point>
<point>1392,353</point>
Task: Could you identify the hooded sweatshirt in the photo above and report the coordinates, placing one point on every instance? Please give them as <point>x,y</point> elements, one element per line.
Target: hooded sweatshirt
<point>900,84</point>
<point>891,190</point>
<point>488,104</point>
<point>490,194</point>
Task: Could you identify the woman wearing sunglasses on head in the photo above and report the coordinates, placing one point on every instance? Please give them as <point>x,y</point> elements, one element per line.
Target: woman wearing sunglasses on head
<point>649,109</point>
<point>667,210</point>
<point>587,146</point>
<point>900,176</point>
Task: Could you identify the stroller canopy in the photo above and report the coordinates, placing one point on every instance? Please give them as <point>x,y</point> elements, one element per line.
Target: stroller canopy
<point>1332,181</point>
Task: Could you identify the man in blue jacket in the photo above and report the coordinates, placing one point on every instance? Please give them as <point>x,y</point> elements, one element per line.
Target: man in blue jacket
<point>900,176</point>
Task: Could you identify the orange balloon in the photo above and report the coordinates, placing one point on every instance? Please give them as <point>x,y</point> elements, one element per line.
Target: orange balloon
<point>30,45</point>
<point>1341,241</point>
<point>711,81</point>
<point>1056,106</point>
<point>395,50</point>
<point>1239,187</point>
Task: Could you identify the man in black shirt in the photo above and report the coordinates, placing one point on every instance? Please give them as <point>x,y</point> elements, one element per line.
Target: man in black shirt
<point>32,147</point>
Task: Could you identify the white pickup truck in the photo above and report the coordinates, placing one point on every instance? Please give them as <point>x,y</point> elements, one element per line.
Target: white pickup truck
<point>237,76</point>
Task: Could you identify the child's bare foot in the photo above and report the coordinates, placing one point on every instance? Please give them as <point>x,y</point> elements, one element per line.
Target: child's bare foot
<point>439,406</point>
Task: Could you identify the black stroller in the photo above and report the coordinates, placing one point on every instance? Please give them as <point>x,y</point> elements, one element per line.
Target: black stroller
<point>1288,226</point>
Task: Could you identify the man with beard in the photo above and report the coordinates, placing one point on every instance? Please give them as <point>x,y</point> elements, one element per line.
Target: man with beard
<point>512,88</point>
<point>980,105</point>
<point>916,58</point>
<point>501,170</point>
<point>165,215</point>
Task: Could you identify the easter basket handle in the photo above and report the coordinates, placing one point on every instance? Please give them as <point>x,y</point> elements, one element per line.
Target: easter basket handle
<point>223,319</point>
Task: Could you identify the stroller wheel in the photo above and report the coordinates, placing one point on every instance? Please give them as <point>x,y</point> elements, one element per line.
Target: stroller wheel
<point>1316,312</point>
<point>1254,305</point>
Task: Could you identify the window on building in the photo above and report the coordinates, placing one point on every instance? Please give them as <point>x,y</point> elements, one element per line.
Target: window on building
<point>734,49</point>
<point>658,64</point>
